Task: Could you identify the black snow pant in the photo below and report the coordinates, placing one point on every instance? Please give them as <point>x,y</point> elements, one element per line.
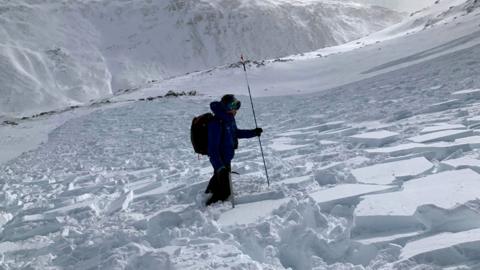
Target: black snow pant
<point>219,186</point>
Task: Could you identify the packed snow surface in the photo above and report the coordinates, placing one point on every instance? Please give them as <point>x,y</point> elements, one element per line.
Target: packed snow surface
<point>116,185</point>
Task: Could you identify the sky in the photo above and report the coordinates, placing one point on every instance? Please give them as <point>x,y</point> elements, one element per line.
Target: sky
<point>401,5</point>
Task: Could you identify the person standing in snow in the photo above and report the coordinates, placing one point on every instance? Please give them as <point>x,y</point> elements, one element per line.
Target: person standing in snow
<point>223,136</point>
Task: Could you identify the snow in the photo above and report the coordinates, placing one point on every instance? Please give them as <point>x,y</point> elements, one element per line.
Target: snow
<point>117,185</point>
<point>473,120</point>
<point>442,106</point>
<point>250,212</point>
<point>441,127</point>
<point>386,173</point>
<point>473,141</point>
<point>437,243</point>
<point>462,163</point>
<point>48,48</point>
<point>375,138</point>
<point>345,192</point>
<point>297,181</point>
<point>467,94</point>
<point>445,135</point>
<point>388,238</point>
<point>461,187</point>
<point>284,144</point>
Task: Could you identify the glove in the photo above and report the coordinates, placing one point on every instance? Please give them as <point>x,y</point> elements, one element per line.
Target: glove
<point>258,131</point>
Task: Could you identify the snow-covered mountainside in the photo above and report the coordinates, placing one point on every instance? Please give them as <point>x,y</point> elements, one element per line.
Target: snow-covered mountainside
<point>49,48</point>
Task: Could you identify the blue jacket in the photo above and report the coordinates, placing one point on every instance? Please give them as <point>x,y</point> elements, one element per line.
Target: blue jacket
<point>223,136</point>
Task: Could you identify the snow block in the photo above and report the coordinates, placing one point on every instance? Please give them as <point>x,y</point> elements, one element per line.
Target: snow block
<point>467,94</point>
<point>285,144</point>
<point>297,182</point>
<point>462,163</point>
<point>381,211</point>
<point>329,174</point>
<point>386,173</point>
<point>472,141</point>
<point>444,135</point>
<point>255,197</point>
<point>473,120</point>
<point>439,150</point>
<point>346,192</point>
<point>337,133</point>
<point>444,248</point>
<point>247,213</point>
<point>436,219</point>
<point>24,228</point>
<point>443,106</point>
<point>322,127</point>
<point>388,238</point>
<point>441,127</point>
<point>84,206</point>
<point>375,138</point>
<point>330,125</point>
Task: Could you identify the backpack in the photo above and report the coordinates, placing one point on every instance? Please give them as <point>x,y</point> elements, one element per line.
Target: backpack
<point>199,133</point>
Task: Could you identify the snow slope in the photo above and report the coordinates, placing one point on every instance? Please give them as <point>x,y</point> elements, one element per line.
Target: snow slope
<point>59,53</point>
<point>120,187</point>
<point>408,43</point>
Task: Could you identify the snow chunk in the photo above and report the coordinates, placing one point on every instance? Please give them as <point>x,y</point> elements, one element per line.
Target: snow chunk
<point>441,127</point>
<point>387,238</point>
<point>297,182</point>
<point>462,163</point>
<point>439,150</point>
<point>443,106</point>
<point>472,141</point>
<point>345,192</point>
<point>375,138</point>
<point>121,203</point>
<point>322,127</point>
<point>386,173</point>
<point>398,150</point>
<point>467,94</point>
<point>473,120</point>
<point>74,208</point>
<point>248,213</point>
<point>285,144</point>
<point>437,243</point>
<point>445,135</point>
<point>338,132</point>
<point>461,186</point>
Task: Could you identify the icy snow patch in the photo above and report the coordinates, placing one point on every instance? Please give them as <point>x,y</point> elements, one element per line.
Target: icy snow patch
<point>386,173</point>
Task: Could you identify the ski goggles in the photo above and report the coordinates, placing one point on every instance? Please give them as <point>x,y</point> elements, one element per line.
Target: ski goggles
<point>234,105</point>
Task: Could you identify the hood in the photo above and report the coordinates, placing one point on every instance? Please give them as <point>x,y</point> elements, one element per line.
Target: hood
<point>220,111</point>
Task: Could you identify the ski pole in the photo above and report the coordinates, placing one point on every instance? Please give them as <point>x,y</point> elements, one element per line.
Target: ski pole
<point>254,117</point>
